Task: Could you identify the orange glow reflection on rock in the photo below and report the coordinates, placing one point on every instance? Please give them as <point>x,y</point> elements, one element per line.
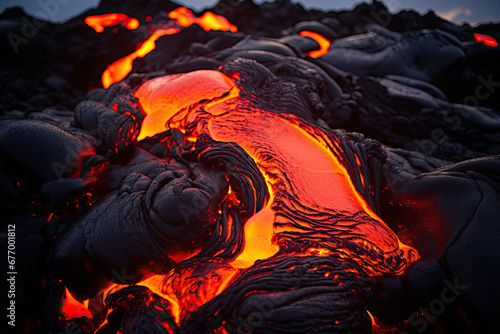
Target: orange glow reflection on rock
<point>324,44</point>
<point>99,22</point>
<point>72,308</point>
<point>161,98</point>
<point>487,40</point>
<point>209,20</point>
<point>118,70</point>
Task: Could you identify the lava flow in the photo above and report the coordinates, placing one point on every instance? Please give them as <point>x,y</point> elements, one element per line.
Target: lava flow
<point>118,70</point>
<point>487,40</point>
<point>301,171</point>
<point>312,198</point>
<point>72,308</point>
<point>324,44</point>
<point>208,21</point>
<point>172,93</point>
<point>183,18</point>
<point>99,22</point>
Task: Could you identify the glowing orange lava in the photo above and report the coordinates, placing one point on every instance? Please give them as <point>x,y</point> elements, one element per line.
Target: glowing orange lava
<point>72,308</point>
<point>297,162</point>
<point>183,17</point>
<point>487,40</point>
<point>324,44</point>
<point>209,20</point>
<point>303,175</point>
<point>301,165</point>
<point>258,239</point>
<point>99,22</point>
<point>155,284</point>
<point>294,158</point>
<point>161,98</point>
<point>187,291</point>
<point>118,70</point>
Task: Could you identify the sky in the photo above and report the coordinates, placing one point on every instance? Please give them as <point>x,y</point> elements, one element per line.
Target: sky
<point>458,11</point>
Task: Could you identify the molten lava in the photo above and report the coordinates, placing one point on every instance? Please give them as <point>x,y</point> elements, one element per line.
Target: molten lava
<point>305,175</point>
<point>312,197</point>
<point>324,44</point>
<point>302,172</point>
<point>72,308</point>
<point>99,22</point>
<point>163,97</point>
<point>487,40</point>
<point>209,20</point>
<point>258,239</point>
<point>118,70</point>
<point>186,291</point>
<point>183,17</point>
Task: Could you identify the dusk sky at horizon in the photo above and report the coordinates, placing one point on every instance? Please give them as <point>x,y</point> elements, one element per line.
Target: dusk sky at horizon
<point>457,11</point>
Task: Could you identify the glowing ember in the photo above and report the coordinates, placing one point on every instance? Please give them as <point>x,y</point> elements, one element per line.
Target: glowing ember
<point>118,70</point>
<point>324,43</point>
<point>99,22</point>
<point>487,40</point>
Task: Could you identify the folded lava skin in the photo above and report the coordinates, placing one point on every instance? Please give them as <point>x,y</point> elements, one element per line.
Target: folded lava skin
<point>251,169</point>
